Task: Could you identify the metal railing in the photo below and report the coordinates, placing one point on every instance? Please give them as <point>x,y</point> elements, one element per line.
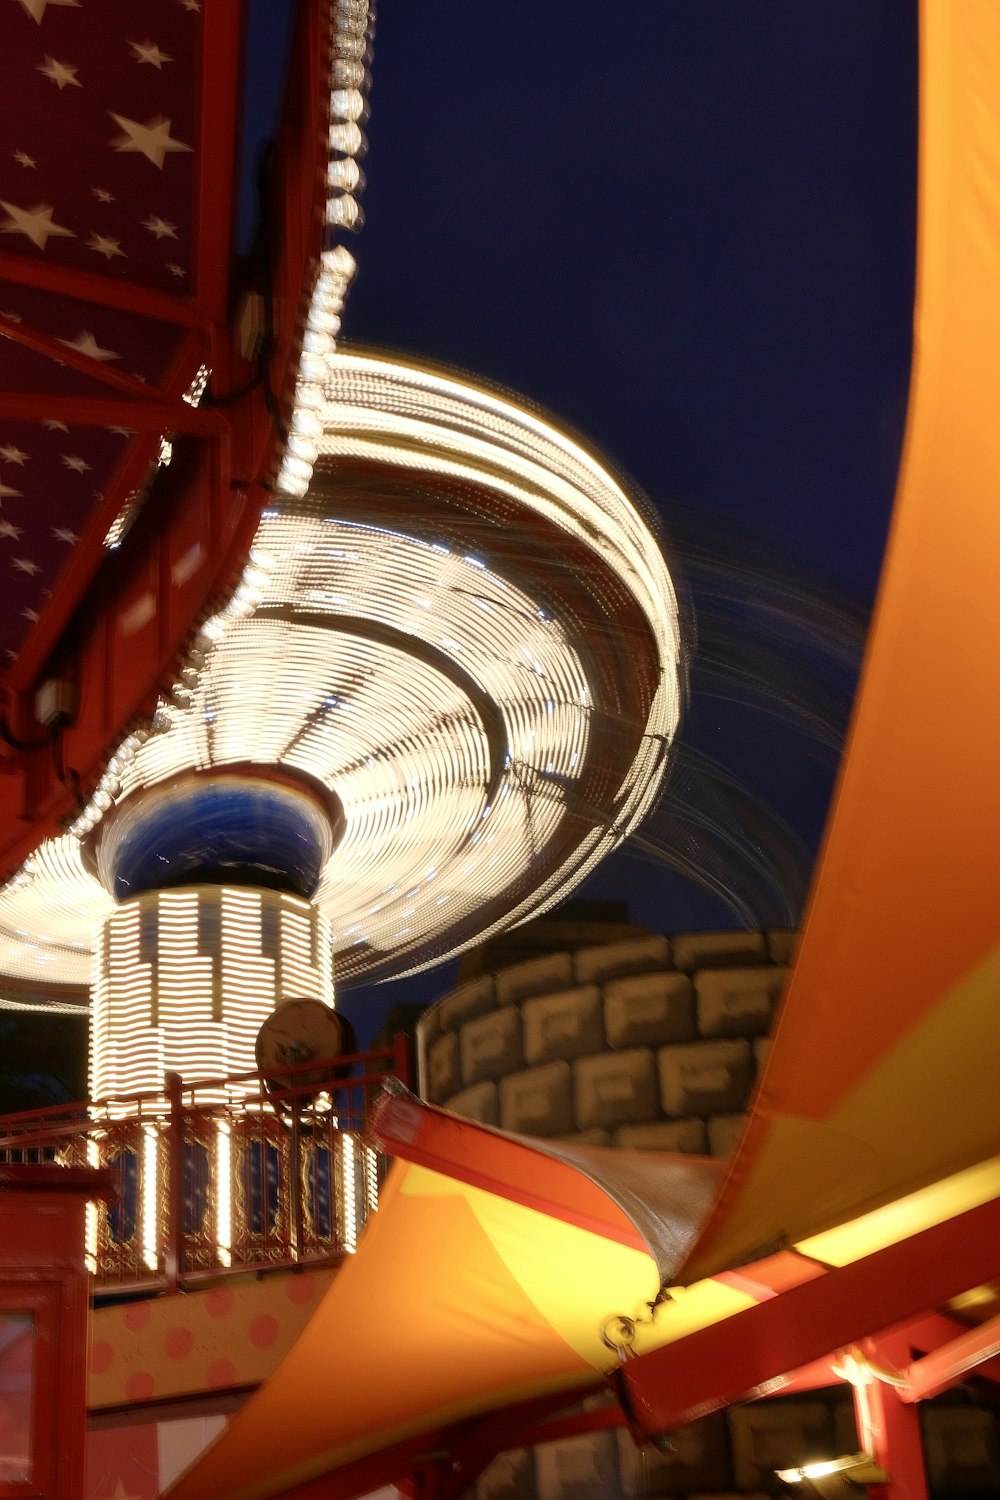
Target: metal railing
<point>247,1173</point>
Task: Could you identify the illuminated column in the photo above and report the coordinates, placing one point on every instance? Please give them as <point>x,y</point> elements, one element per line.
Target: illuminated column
<point>213,928</point>
<point>186,977</point>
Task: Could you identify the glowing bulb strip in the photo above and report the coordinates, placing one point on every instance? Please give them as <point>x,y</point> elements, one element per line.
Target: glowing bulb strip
<point>371,1179</point>
<point>348,1193</point>
<point>223,1193</point>
<point>336,271</point>
<point>150,1185</point>
<point>196,1011</point>
<point>91,1212</point>
<point>352,30</point>
<point>456,694</point>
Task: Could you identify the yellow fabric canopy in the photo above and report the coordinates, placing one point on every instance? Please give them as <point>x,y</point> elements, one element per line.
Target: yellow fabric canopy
<point>457,1302</point>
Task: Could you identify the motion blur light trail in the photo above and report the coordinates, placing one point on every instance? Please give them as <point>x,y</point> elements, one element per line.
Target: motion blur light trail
<point>461,634</point>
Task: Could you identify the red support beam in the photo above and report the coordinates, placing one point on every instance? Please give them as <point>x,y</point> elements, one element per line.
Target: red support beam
<point>158,415</point>
<point>219,130</point>
<point>577,1423</point>
<point>973,1352</point>
<point>889,1430</point>
<point>735,1358</point>
<point>66,354</point>
<point>933,1330</point>
<point>818,1376</point>
<point>91,286</point>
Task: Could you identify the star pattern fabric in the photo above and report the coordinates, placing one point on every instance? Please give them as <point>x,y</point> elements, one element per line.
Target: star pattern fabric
<point>98,175</point>
<point>80,72</point>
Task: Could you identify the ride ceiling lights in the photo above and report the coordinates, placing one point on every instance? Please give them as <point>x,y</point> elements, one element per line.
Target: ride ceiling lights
<point>461,631</point>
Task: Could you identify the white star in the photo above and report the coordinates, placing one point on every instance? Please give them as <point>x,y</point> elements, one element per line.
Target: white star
<point>175,269</point>
<point>160,227</point>
<point>153,139</point>
<point>25,565</point>
<point>34,223</point>
<point>75,462</point>
<point>6,490</point>
<point>30,614</point>
<point>105,246</point>
<point>187,4</point>
<point>12,455</point>
<point>63,534</point>
<point>149,52</point>
<point>102,195</point>
<point>60,73</point>
<point>36,8</point>
<point>85,343</point>
<point>24,159</point>
<point>54,425</point>
<point>7,529</point>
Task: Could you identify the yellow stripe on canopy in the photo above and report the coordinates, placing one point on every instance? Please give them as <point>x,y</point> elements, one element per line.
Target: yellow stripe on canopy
<point>457,1301</point>
<point>884,1064</point>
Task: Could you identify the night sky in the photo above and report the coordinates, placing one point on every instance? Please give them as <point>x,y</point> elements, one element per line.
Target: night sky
<point>686,229</point>
<point>690,235</point>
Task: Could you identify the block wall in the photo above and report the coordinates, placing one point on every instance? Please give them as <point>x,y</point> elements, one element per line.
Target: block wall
<point>651,1043</point>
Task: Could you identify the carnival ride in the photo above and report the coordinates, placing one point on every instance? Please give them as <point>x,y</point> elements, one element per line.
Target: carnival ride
<point>864,1196</point>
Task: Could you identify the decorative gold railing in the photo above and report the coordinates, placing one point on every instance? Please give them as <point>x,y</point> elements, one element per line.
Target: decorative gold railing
<point>246,1173</point>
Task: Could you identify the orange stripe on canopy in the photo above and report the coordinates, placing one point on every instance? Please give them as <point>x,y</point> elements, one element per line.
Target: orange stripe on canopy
<point>887,1052</point>
<point>458,1301</point>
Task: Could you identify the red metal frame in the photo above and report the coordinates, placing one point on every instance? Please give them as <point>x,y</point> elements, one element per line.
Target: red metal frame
<point>42,1275</point>
<point>888,1429</point>
<point>219,113</point>
<point>155,412</point>
<point>972,1350</point>
<point>81,635</point>
<point>441,1465</point>
<point>91,286</point>
<point>735,1358</point>
<point>42,343</point>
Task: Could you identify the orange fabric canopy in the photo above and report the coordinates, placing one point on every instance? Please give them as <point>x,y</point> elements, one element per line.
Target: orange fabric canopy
<point>483,1279</point>
<point>888,1045</point>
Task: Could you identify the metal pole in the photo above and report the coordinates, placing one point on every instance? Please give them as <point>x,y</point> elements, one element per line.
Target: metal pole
<point>294,1182</point>
<point>401,1058</point>
<point>888,1427</point>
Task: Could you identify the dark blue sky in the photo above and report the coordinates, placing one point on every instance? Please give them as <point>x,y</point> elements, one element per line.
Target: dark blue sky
<point>686,228</point>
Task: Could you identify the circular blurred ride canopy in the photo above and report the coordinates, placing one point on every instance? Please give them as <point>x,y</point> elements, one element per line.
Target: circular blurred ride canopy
<point>463,632</point>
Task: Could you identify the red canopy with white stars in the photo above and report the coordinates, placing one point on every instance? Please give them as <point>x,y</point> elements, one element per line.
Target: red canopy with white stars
<point>101,176</point>
<point>119,296</point>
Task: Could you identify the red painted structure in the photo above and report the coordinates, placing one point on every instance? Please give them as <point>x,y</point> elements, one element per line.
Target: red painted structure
<point>105,323</point>
<point>44,1307</point>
